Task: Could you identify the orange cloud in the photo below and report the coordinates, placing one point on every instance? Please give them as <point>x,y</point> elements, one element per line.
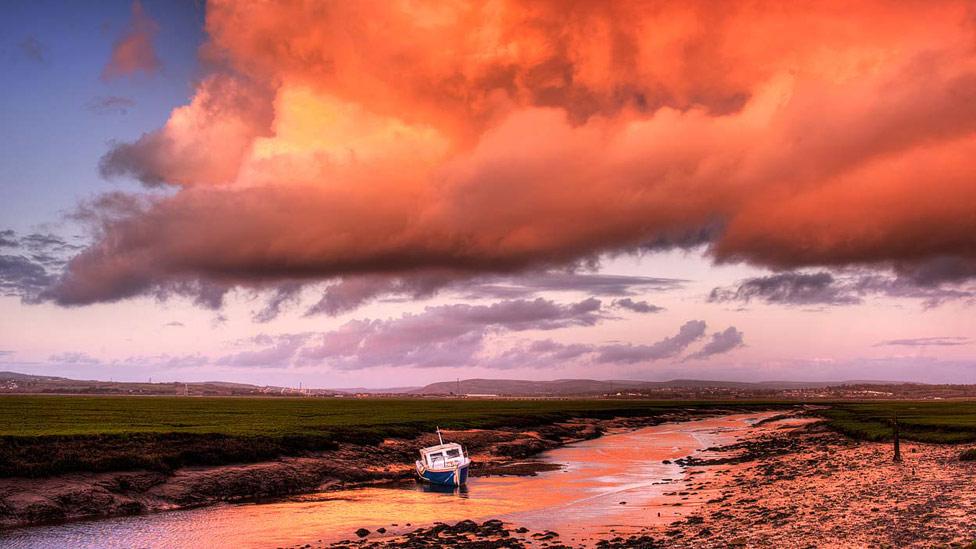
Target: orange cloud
<point>133,51</point>
<point>398,137</point>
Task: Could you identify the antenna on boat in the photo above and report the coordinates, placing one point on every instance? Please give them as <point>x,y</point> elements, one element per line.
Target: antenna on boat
<point>439,437</point>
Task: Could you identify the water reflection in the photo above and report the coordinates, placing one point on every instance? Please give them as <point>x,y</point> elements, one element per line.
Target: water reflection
<point>460,491</point>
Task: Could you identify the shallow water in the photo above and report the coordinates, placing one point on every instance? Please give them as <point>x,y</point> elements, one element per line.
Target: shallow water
<point>582,499</point>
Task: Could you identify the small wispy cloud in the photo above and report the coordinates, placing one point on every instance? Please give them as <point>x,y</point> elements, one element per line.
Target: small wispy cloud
<point>721,342</point>
<point>636,306</point>
<point>34,49</point>
<point>133,51</point>
<point>111,104</point>
<point>938,341</point>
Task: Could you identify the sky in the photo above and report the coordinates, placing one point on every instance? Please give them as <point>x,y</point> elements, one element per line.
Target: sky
<point>385,194</point>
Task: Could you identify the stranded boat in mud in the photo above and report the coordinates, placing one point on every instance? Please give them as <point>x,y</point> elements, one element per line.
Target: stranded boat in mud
<point>444,464</point>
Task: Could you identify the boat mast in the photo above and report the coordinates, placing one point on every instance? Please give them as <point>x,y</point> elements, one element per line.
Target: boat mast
<point>439,437</point>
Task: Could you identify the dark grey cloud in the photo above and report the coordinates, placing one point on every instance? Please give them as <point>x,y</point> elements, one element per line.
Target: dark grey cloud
<point>110,104</point>
<point>347,294</point>
<point>8,239</point>
<point>281,297</point>
<point>590,283</point>
<point>40,243</point>
<point>636,306</point>
<point>208,295</point>
<point>931,293</point>
<point>791,288</point>
<point>933,286</point>
<point>35,264</point>
<point>938,341</point>
<point>174,324</point>
<point>23,278</point>
<point>350,293</point>
<point>938,270</point>
<point>721,342</point>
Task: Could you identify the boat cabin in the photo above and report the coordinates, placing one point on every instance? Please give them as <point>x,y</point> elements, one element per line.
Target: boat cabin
<point>442,456</point>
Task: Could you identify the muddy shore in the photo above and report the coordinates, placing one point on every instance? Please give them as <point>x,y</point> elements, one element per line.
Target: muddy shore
<point>791,483</point>
<point>505,451</point>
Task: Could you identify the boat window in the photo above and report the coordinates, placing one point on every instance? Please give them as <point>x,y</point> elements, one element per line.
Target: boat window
<point>436,459</point>
<point>453,453</point>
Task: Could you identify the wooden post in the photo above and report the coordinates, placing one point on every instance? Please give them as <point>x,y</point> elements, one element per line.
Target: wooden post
<point>897,442</point>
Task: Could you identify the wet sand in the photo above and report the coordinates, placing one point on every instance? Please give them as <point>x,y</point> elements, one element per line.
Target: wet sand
<point>805,486</point>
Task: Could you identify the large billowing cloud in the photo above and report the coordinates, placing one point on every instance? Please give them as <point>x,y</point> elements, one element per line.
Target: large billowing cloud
<point>391,138</point>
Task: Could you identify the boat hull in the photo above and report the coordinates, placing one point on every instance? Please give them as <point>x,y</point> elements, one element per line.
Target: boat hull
<point>454,476</point>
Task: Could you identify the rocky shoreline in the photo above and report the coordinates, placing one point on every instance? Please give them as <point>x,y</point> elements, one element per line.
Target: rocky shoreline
<point>505,451</point>
<point>491,534</point>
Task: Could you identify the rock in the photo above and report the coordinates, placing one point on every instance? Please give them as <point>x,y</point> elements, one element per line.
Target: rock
<point>381,530</point>
<point>362,532</point>
<point>465,526</point>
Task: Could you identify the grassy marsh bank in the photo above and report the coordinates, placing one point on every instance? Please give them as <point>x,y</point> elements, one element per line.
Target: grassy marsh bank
<point>937,421</point>
<point>45,435</point>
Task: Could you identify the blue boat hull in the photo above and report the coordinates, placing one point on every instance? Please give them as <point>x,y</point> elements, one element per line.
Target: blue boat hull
<point>450,477</point>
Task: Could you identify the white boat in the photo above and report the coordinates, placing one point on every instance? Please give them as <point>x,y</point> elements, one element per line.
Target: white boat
<point>444,464</point>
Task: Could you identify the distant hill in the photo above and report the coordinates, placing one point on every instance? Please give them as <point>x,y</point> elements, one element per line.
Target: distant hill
<point>592,386</point>
<point>17,383</point>
<point>15,376</point>
<point>14,382</point>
